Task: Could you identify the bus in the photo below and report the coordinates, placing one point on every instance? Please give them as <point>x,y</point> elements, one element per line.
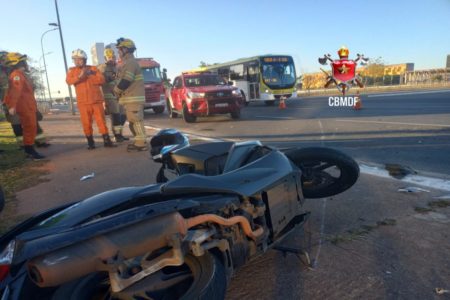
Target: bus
<point>260,78</point>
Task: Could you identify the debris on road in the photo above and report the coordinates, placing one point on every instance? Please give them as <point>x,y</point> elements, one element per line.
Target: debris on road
<point>441,291</point>
<point>412,189</point>
<point>87,177</point>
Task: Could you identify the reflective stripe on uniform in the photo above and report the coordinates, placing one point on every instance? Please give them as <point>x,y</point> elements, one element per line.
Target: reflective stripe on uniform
<point>136,99</point>
<point>129,76</point>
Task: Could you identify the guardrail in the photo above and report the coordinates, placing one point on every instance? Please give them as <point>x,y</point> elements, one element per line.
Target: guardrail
<point>375,89</point>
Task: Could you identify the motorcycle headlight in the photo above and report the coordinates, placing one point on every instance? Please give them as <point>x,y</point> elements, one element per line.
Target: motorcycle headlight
<point>193,95</point>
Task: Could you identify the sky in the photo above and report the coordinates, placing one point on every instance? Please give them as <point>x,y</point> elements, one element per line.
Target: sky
<point>179,34</point>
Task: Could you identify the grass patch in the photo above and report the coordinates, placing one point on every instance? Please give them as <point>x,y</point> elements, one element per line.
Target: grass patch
<point>16,173</point>
<point>439,204</point>
<point>422,210</point>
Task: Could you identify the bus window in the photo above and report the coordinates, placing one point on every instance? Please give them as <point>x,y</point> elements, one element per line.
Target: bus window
<point>237,72</point>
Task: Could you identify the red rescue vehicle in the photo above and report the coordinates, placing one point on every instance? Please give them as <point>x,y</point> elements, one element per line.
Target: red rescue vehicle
<point>154,87</point>
<point>197,94</point>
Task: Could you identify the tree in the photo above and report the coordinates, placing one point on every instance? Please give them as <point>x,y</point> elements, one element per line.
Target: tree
<point>204,64</point>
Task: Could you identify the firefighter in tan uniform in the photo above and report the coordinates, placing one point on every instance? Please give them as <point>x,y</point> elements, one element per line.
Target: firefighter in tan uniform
<point>113,108</point>
<point>131,93</point>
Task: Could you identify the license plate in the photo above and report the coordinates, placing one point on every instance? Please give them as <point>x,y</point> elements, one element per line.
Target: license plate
<point>221,105</point>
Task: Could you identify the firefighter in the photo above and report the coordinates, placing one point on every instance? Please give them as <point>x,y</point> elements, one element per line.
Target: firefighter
<point>113,108</point>
<point>87,81</point>
<point>131,93</point>
<point>20,100</point>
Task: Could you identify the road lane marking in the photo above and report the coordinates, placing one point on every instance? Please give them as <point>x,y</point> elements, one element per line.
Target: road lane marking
<point>276,118</point>
<point>322,137</point>
<point>394,123</point>
<point>431,182</point>
<point>408,93</point>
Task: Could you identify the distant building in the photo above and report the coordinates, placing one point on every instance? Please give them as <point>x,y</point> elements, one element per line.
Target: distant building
<point>97,52</point>
<point>448,61</point>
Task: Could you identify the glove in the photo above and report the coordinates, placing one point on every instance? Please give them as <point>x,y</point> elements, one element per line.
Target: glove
<point>117,92</point>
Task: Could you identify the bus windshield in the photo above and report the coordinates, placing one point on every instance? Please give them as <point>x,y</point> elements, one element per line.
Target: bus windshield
<point>278,72</point>
<point>151,74</point>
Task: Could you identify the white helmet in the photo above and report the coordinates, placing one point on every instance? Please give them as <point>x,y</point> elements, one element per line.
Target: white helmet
<point>78,53</point>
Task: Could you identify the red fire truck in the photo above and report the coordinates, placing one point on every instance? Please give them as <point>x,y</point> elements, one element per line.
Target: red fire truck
<point>154,88</point>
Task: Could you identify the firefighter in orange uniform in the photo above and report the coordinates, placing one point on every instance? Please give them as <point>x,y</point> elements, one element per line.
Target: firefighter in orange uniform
<point>20,100</point>
<point>88,81</point>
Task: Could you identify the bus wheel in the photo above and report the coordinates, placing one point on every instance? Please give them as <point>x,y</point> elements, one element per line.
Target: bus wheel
<point>244,99</point>
<point>269,102</point>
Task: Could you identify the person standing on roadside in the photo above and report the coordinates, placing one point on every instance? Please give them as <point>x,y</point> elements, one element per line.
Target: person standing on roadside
<point>113,108</point>
<point>131,93</point>
<point>20,100</point>
<point>87,81</point>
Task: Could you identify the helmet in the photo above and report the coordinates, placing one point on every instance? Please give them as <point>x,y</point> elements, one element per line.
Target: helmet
<point>343,52</point>
<point>109,54</point>
<point>126,43</point>
<point>13,58</point>
<point>78,53</point>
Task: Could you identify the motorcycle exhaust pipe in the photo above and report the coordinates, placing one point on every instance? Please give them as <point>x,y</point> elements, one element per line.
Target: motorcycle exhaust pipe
<point>92,255</point>
<point>89,256</point>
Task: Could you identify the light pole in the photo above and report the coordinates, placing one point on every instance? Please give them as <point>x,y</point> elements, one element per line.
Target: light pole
<point>40,75</point>
<point>45,65</point>
<point>72,107</point>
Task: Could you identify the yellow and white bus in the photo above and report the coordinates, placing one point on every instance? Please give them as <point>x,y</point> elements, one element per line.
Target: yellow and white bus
<point>260,78</point>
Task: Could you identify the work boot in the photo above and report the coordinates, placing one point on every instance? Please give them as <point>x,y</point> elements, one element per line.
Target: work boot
<point>91,143</point>
<point>133,147</point>
<point>107,141</point>
<point>120,138</point>
<point>31,153</point>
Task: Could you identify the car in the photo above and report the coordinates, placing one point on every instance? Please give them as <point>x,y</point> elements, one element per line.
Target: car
<point>196,94</point>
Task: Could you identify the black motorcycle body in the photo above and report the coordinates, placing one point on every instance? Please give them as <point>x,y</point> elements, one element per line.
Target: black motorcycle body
<point>181,239</point>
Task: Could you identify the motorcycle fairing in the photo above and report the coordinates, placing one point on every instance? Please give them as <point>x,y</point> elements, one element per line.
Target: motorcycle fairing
<point>248,180</point>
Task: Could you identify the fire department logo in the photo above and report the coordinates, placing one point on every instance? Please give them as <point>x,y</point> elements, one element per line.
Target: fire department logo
<point>343,70</point>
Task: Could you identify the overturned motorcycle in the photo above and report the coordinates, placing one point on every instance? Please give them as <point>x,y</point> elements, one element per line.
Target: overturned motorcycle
<point>177,239</point>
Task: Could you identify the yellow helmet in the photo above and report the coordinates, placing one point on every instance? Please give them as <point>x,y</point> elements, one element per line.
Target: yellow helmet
<point>343,52</point>
<point>78,53</point>
<point>126,43</point>
<point>13,58</point>
<point>109,54</point>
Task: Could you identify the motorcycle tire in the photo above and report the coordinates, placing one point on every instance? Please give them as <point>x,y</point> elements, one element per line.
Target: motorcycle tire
<point>208,282</point>
<point>316,162</point>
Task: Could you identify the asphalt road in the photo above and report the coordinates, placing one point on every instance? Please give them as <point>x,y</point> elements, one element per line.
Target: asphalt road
<point>409,128</point>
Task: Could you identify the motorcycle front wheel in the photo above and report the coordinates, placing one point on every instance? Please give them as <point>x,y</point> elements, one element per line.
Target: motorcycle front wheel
<point>325,171</point>
<point>200,277</point>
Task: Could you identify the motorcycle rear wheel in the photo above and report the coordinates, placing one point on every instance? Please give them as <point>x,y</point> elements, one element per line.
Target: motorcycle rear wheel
<point>200,277</point>
<point>325,172</point>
